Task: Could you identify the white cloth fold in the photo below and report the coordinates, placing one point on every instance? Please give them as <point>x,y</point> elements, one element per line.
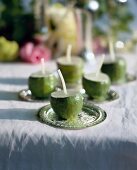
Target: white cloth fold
<point>27,144</point>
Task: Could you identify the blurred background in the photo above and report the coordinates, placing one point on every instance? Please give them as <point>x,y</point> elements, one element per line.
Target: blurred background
<point>31,29</point>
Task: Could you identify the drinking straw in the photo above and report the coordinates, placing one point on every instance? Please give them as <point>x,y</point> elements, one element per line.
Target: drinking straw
<point>111,49</point>
<point>62,81</point>
<point>68,55</point>
<point>42,65</point>
<point>88,33</point>
<point>100,65</point>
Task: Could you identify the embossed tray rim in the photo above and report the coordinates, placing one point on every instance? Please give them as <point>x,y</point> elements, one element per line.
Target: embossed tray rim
<point>110,92</point>
<point>129,78</point>
<point>89,106</point>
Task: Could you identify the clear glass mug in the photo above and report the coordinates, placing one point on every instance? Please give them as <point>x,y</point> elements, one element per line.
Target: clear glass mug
<point>65,25</point>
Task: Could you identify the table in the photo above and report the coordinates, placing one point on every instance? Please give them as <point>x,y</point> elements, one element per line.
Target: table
<point>27,144</point>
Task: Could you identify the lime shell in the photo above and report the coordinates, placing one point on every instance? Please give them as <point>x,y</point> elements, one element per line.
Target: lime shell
<point>115,70</point>
<point>67,106</point>
<point>41,85</point>
<point>72,72</point>
<point>96,88</point>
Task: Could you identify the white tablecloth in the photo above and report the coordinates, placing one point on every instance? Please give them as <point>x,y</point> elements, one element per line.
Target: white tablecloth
<point>27,144</point>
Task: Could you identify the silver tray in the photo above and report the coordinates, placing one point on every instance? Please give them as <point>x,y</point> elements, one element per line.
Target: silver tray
<point>91,115</point>
<point>111,96</point>
<point>26,95</point>
<point>129,78</point>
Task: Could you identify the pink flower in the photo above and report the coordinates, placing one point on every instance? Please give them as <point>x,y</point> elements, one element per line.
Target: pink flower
<point>33,53</point>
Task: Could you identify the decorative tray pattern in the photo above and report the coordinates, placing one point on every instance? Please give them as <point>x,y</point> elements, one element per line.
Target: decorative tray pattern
<point>111,96</point>
<point>91,115</point>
